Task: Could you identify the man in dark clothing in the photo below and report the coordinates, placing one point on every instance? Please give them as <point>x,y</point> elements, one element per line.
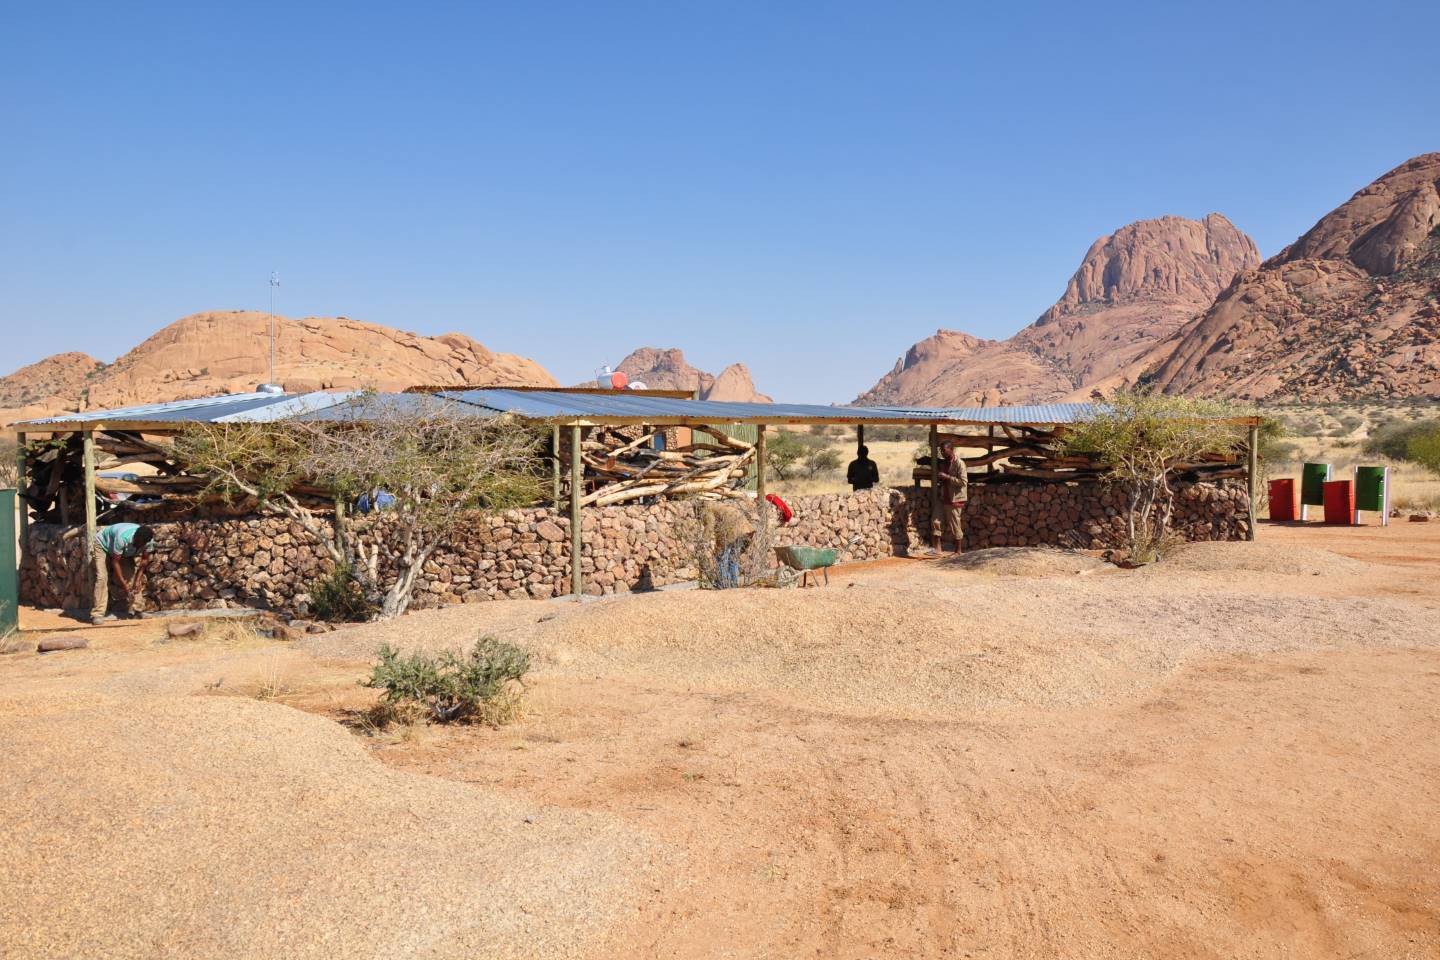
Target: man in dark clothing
<point>862,474</point>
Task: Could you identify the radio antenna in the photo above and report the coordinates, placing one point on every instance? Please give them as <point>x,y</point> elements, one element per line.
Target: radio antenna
<point>274,282</point>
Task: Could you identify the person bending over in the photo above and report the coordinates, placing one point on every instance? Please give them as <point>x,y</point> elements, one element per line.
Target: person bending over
<point>117,546</point>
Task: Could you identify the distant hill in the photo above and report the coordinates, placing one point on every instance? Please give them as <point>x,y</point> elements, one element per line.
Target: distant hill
<point>1134,288</point>
<point>667,369</point>
<point>1349,310</point>
<point>227,352</point>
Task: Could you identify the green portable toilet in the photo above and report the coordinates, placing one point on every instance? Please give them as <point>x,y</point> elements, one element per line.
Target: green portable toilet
<point>1372,492</point>
<point>1312,487</point>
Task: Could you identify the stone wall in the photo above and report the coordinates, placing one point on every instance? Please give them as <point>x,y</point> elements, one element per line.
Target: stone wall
<point>1088,516</point>
<point>270,562</point>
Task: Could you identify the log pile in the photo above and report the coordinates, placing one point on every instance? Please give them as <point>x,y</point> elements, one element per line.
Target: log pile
<point>620,468</point>
<point>1030,453</point>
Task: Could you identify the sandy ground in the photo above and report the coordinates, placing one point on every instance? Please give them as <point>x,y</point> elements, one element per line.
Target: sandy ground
<point>1235,753</point>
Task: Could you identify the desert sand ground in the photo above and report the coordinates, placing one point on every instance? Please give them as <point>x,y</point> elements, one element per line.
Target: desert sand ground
<point>1235,753</point>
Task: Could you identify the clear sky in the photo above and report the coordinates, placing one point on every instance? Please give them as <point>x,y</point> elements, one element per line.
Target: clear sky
<point>809,187</point>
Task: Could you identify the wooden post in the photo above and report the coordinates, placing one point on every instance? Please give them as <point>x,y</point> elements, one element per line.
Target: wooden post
<point>1252,471</point>
<point>990,467</point>
<point>935,487</point>
<point>90,490</point>
<point>575,475</point>
<point>760,462</point>
<point>22,484</point>
<point>555,468</point>
<point>859,437</point>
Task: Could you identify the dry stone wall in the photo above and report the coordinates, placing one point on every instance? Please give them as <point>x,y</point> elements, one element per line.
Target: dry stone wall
<point>270,562</point>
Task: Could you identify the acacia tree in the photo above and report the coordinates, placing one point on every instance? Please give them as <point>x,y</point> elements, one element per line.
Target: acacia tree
<point>436,459</point>
<point>1142,437</point>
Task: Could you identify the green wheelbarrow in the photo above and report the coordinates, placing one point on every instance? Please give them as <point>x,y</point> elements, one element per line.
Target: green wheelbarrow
<point>807,560</point>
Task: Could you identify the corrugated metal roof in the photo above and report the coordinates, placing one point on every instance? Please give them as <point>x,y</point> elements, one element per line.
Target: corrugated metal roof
<point>373,405</point>
<point>1027,414</point>
<point>543,405</point>
<point>230,408</point>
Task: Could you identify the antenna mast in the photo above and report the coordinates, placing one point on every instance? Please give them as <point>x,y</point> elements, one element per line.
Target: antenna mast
<point>274,282</point>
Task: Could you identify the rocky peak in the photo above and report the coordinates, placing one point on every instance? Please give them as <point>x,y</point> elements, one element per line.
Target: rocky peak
<point>667,369</point>
<point>1382,226</point>
<point>1168,258</point>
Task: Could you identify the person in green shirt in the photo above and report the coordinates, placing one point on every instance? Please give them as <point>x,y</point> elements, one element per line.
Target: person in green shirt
<point>115,545</point>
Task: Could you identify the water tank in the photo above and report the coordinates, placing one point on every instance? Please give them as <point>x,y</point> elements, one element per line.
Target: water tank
<point>272,388</point>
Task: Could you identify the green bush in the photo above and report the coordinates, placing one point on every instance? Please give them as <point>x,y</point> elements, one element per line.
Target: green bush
<point>337,598</point>
<point>1425,450</point>
<point>820,461</point>
<point>451,686</point>
<point>1393,439</point>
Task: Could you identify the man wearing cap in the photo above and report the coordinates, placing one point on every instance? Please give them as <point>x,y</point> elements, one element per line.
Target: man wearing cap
<point>114,545</point>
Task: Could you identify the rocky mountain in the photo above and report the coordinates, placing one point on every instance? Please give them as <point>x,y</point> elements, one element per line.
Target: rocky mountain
<point>1134,288</point>
<point>45,386</point>
<point>228,352</point>
<point>1349,310</point>
<point>669,370</point>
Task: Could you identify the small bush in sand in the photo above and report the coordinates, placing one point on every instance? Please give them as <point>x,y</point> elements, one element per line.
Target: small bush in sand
<point>481,685</point>
<point>337,598</point>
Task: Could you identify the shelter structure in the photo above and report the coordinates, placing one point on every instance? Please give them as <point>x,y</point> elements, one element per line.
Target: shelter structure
<point>1018,442</point>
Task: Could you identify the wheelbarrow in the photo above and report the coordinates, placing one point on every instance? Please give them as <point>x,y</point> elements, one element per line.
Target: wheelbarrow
<point>807,560</point>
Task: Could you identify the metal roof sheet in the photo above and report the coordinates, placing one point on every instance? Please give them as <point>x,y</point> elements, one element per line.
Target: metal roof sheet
<point>1022,414</point>
<point>373,405</point>
<point>229,408</point>
<point>543,405</point>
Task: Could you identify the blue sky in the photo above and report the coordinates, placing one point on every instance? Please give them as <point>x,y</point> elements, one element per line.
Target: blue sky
<point>809,187</point>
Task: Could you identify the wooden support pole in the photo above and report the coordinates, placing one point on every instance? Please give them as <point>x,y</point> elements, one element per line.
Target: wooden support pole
<point>760,462</point>
<point>935,487</point>
<point>555,468</point>
<point>859,437</point>
<point>22,483</point>
<point>990,467</point>
<point>1252,472</point>
<point>90,527</point>
<point>575,474</point>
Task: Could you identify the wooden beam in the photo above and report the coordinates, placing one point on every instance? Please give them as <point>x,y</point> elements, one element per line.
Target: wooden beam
<point>1252,471</point>
<point>859,437</point>
<point>90,528</point>
<point>760,463</point>
<point>935,487</point>
<point>555,468</point>
<point>576,472</point>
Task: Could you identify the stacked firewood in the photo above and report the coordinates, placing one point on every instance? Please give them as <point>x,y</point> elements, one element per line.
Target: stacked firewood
<point>153,479</point>
<point>621,468</point>
<point>1031,453</point>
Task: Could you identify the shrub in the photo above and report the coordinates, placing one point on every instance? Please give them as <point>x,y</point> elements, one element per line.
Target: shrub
<point>783,451</point>
<point>451,686</point>
<point>821,461</point>
<point>337,598</point>
<point>1393,439</point>
<point>1425,450</point>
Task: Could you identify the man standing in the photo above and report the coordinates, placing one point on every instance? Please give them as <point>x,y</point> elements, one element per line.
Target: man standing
<point>862,473</point>
<point>113,545</point>
<point>954,491</point>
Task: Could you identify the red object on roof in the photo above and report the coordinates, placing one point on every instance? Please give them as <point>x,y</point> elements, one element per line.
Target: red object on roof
<point>1340,502</point>
<point>1284,499</point>
<point>618,380</point>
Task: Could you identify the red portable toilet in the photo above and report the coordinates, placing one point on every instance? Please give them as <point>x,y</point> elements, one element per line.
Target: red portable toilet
<point>1340,502</point>
<point>1284,499</point>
